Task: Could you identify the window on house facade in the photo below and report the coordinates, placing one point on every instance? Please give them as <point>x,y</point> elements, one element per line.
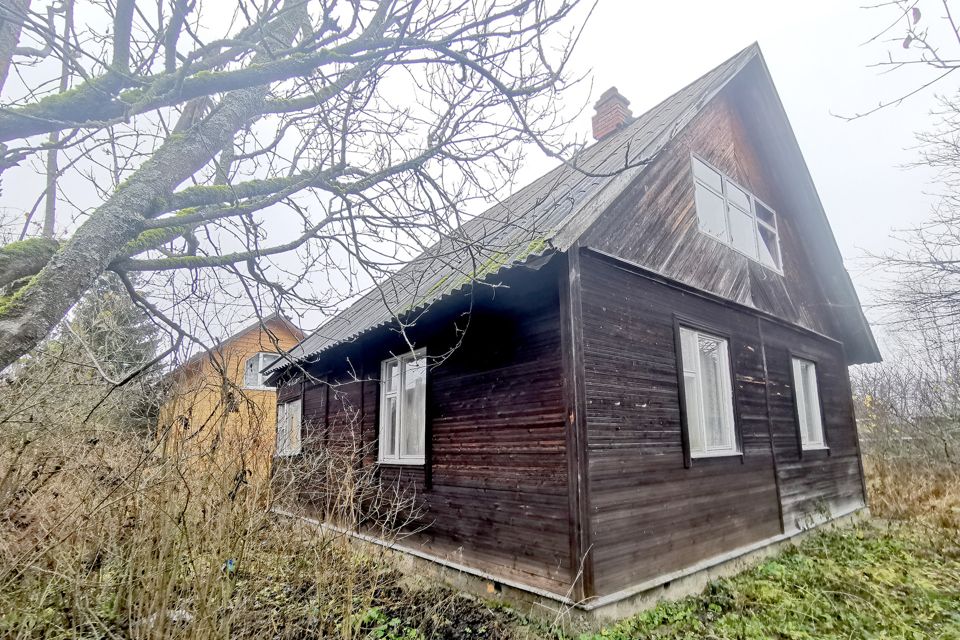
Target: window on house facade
<point>807,397</point>
<point>252,378</point>
<point>403,398</point>
<point>734,216</point>
<point>708,394</point>
<point>289,427</point>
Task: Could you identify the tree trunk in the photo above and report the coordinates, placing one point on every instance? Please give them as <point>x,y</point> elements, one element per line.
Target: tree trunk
<point>10,25</point>
<point>29,315</point>
<point>53,168</point>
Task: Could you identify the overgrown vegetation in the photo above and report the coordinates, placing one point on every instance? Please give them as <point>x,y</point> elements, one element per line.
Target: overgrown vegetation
<point>105,532</point>
<point>103,535</point>
<point>873,581</point>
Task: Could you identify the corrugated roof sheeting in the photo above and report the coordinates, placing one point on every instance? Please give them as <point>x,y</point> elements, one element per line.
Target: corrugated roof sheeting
<point>545,216</point>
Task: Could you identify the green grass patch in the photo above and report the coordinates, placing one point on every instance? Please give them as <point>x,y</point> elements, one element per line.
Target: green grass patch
<point>871,581</point>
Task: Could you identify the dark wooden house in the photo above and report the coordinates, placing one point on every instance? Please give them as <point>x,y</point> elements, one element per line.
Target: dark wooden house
<point>618,374</point>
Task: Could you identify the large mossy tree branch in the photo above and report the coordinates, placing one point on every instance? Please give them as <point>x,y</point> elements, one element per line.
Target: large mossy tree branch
<point>116,96</point>
<point>28,316</point>
<point>25,258</point>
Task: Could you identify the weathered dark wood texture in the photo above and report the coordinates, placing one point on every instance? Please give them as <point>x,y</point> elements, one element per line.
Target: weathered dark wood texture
<point>812,481</point>
<point>554,428</point>
<point>649,514</point>
<point>498,498</point>
<point>654,224</point>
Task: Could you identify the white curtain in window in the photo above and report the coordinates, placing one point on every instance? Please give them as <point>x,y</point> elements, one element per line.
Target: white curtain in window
<point>289,428</point>
<point>808,403</point>
<point>414,407</point>
<point>403,409</point>
<point>708,394</point>
<point>282,429</point>
<point>390,409</point>
<point>691,386</point>
<point>715,377</point>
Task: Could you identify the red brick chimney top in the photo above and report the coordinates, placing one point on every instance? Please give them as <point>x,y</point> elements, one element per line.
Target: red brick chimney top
<point>612,113</point>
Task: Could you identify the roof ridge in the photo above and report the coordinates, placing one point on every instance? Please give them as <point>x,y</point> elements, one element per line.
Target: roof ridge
<point>544,222</point>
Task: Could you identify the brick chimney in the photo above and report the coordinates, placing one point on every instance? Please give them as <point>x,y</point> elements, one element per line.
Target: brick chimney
<point>612,113</point>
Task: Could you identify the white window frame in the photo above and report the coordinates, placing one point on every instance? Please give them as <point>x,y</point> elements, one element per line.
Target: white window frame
<point>396,457</point>
<point>693,369</point>
<point>289,428</point>
<point>264,359</point>
<point>805,397</point>
<point>758,223</point>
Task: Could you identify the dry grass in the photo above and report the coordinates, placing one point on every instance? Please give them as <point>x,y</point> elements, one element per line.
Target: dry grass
<point>100,536</point>
<point>926,491</point>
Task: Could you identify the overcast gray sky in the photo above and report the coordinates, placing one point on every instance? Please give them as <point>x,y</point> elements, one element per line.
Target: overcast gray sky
<point>814,51</point>
<point>820,66</point>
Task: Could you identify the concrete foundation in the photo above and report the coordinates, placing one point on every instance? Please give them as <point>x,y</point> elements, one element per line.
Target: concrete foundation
<point>590,615</point>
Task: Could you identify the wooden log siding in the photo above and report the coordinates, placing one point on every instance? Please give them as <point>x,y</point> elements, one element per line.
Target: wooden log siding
<point>497,496</point>
<point>812,480</point>
<point>649,514</point>
<point>517,410</point>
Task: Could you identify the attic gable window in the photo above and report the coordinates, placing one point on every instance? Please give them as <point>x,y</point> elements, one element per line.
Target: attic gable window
<point>252,378</point>
<point>735,217</point>
<point>403,405</point>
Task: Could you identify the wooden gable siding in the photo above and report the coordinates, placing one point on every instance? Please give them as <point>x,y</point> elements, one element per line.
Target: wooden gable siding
<point>649,515</point>
<point>494,491</point>
<point>654,224</point>
<point>206,416</point>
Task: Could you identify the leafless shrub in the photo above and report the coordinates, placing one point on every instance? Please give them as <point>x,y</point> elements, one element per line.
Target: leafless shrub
<point>102,534</point>
<point>908,410</point>
<point>107,531</point>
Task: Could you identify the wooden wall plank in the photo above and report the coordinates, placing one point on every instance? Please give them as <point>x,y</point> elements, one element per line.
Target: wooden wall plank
<point>495,495</point>
<point>650,515</point>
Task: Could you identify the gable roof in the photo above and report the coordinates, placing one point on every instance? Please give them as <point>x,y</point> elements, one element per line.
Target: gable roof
<point>259,323</point>
<point>549,215</point>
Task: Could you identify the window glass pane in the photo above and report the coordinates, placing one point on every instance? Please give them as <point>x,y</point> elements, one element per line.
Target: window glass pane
<point>388,430</point>
<point>691,386</point>
<point>267,359</point>
<point>716,399</point>
<point>800,393</point>
<point>281,430</point>
<point>769,247</point>
<point>808,403</point>
<point>710,213</point>
<point>708,175</point>
<point>392,376</point>
<point>734,216</point>
<point>294,426</point>
<point>688,347</point>
<point>737,196</point>
<point>250,377</point>
<point>743,232</point>
<point>414,406</point>
<point>765,214</point>
<point>811,396</point>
